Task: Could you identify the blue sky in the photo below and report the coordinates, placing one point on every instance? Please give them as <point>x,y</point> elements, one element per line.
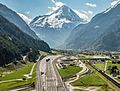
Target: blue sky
<point>33,8</point>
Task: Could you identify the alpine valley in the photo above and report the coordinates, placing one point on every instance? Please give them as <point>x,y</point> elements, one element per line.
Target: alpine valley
<point>69,46</point>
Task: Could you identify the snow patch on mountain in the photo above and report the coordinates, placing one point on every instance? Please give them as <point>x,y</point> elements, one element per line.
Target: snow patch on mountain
<point>52,20</point>
<point>113,5</point>
<point>55,22</point>
<point>82,15</point>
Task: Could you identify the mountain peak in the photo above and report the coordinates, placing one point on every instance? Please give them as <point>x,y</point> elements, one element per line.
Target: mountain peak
<point>64,8</point>
<point>57,19</point>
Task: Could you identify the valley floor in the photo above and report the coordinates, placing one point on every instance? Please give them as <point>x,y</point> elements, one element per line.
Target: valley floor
<point>59,72</point>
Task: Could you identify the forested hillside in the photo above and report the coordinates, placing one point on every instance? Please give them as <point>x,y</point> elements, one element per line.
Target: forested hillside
<point>14,42</point>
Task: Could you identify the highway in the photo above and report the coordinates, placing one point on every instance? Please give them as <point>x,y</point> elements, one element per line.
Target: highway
<point>48,78</point>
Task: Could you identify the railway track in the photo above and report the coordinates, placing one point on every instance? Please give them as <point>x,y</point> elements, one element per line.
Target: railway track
<point>106,76</point>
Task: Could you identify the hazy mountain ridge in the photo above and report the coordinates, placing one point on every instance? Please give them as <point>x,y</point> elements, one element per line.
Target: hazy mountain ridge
<point>110,40</point>
<point>13,17</point>
<point>84,37</point>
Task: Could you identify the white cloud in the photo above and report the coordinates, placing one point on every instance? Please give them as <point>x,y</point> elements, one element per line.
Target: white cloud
<point>56,5</point>
<point>91,5</point>
<point>81,15</point>
<point>115,2</point>
<point>24,17</point>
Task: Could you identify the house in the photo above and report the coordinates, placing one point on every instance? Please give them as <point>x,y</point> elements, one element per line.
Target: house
<point>109,68</point>
<point>114,74</point>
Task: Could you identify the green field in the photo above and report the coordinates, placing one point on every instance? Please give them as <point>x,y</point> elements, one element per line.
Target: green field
<point>53,52</point>
<point>90,80</point>
<point>70,70</point>
<point>2,70</point>
<point>117,79</point>
<point>11,67</point>
<point>100,66</point>
<point>44,53</point>
<point>85,56</point>
<point>109,85</point>
<point>17,74</point>
<point>14,84</point>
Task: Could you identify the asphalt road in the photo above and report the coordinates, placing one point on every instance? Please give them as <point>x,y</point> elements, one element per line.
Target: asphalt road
<point>50,79</point>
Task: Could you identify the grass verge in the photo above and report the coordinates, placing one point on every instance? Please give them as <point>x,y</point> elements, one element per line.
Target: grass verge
<point>11,85</point>
<point>96,79</point>
<point>17,74</point>
<point>100,66</point>
<point>90,80</point>
<point>68,71</point>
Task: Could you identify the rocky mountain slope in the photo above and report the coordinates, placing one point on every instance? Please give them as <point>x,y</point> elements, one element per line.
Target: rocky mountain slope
<point>97,34</point>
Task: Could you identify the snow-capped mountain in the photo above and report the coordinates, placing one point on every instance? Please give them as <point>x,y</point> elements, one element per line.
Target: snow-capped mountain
<point>57,19</point>
<point>56,27</point>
